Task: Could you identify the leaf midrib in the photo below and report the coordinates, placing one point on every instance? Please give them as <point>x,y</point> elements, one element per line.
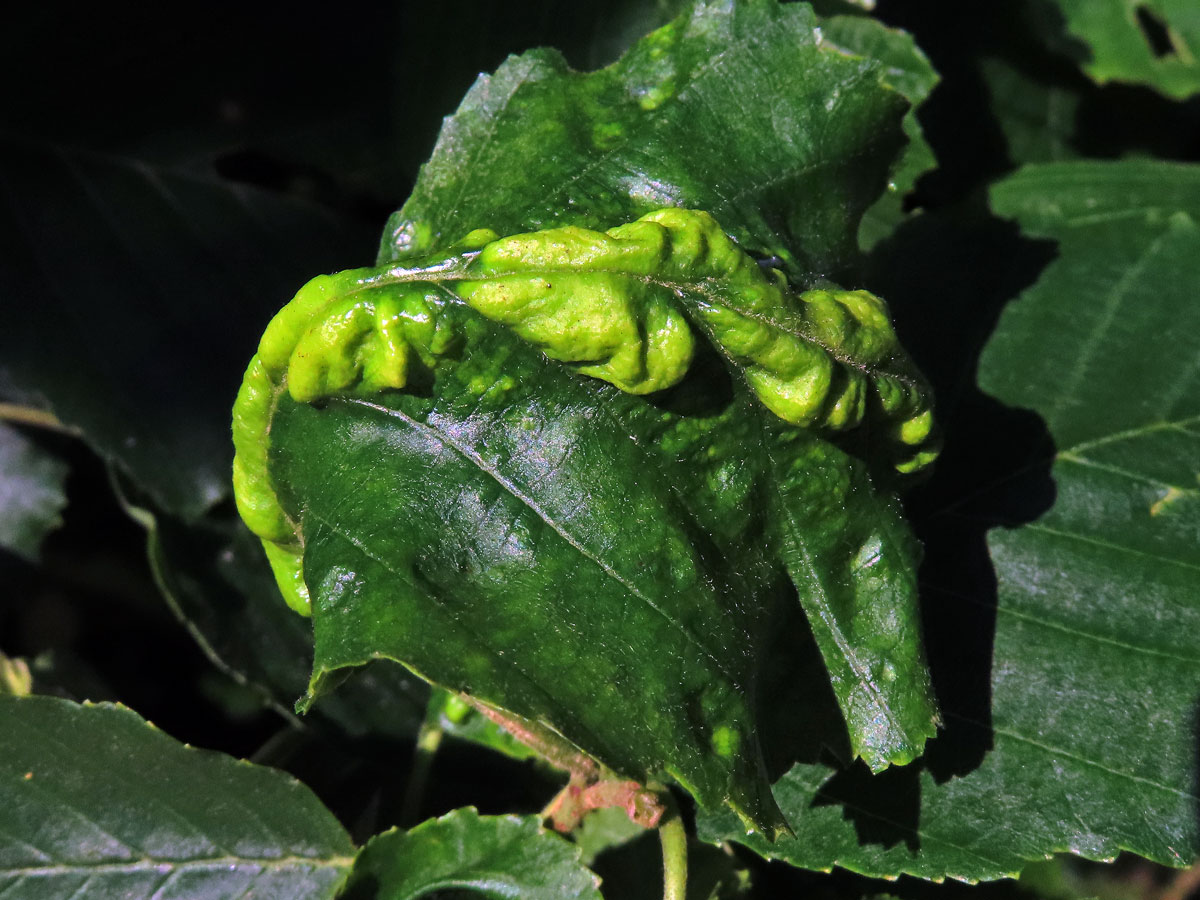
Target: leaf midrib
<point>844,645</point>
<point>531,504</point>
<point>143,863</point>
<point>704,287</point>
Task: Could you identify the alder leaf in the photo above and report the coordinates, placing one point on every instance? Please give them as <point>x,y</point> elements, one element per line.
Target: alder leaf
<point>623,612</point>
<point>523,491</point>
<point>97,802</point>
<point>489,856</point>
<point>1085,738</point>
<point>1154,42</point>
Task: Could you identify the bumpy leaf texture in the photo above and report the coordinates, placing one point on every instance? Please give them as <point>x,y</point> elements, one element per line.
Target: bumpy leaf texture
<point>1088,736</point>
<point>607,557</point>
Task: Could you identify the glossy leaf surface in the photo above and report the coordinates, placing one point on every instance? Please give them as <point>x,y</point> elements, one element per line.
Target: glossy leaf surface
<point>1090,747</point>
<point>540,474</point>
<point>96,802</point>
<point>682,119</point>
<point>488,856</point>
<point>515,476</point>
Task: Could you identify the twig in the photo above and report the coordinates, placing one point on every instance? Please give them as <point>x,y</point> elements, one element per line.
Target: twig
<point>429,738</point>
<point>674,845</point>
<point>39,418</point>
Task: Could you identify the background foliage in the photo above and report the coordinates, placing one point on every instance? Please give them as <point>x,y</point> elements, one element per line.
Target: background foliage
<point>161,198</point>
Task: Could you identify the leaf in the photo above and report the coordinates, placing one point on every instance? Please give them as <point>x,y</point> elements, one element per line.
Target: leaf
<point>153,284</point>
<point>1153,42</point>
<point>869,633</point>
<point>1090,747</point>
<point>96,802</point>
<point>524,540</point>
<point>1038,118</point>
<point>31,493</point>
<point>735,108</point>
<point>496,856</point>
<point>906,69</point>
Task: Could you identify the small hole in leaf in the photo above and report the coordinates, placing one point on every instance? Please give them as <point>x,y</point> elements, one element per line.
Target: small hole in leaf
<point>1154,29</point>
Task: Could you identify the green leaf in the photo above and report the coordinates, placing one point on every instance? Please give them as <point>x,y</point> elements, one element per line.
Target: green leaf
<point>31,493</point>
<point>814,361</point>
<point>1038,118</point>
<point>1090,746</point>
<point>134,295</point>
<point>496,856</point>
<point>735,108</point>
<point>674,636</point>
<point>906,69</point>
<point>96,802</point>
<point>1151,42</point>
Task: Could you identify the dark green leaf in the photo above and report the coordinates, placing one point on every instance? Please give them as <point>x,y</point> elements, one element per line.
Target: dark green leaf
<point>134,298</point>
<point>906,69</point>
<point>1154,42</point>
<point>96,802</point>
<point>678,599</point>
<point>650,636</point>
<point>1094,676</point>
<point>31,493</point>
<point>737,109</point>
<point>1038,118</point>
<point>496,856</point>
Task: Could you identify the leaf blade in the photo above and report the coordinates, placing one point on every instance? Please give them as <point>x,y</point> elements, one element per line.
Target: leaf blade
<point>77,816</point>
<point>498,856</point>
<point>1090,744</point>
<point>648,132</point>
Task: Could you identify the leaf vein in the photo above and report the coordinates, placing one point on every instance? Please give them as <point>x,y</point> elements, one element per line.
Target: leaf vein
<point>1092,636</point>
<point>1067,754</point>
<point>506,484</point>
<point>1109,545</point>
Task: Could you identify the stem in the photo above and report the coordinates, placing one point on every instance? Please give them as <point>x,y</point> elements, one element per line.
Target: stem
<point>429,738</point>
<point>39,418</point>
<point>281,747</point>
<point>674,845</point>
